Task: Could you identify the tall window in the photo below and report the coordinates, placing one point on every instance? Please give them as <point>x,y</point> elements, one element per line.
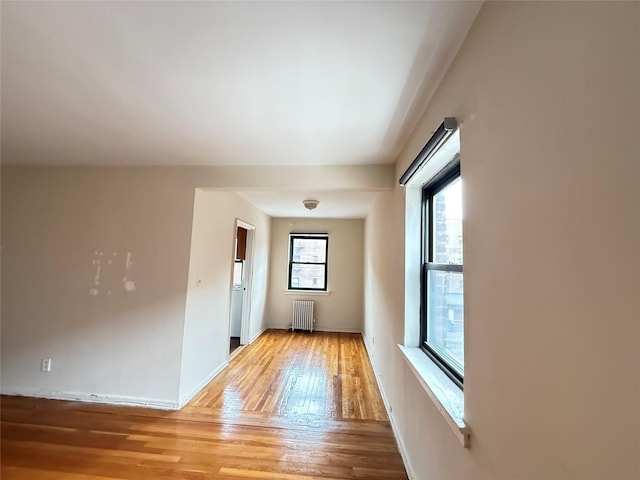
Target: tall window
<point>308,261</point>
<point>442,327</point>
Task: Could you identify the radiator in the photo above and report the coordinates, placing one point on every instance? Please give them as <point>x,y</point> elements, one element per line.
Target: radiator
<point>302,315</point>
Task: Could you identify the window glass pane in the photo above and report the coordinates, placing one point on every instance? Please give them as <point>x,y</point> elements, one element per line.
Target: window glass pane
<point>445,328</point>
<point>309,250</point>
<point>308,276</point>
<point>447,224</point>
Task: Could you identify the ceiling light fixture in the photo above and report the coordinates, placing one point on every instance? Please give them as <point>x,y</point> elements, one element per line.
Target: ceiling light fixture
<point>310,204</point>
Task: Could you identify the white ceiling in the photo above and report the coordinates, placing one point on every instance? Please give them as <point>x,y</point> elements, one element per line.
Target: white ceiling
<point>221,83</point>
<point>333,204</point>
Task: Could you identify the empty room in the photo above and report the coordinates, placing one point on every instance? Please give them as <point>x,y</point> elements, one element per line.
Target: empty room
<point>320,240</point>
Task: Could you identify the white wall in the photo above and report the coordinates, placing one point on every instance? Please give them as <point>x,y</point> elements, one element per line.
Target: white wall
<point>548,97</point>
<point>114,345</point>
<point>156,343</point>
<point>128,346</point>
<point>312,177</point>
<point>342,309</point>
<point>207,326</point>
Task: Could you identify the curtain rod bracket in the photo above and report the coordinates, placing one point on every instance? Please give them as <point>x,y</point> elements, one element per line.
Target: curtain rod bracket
<point>450,124</point>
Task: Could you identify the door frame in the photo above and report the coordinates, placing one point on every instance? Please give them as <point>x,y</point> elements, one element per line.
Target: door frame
<point>245,330</point>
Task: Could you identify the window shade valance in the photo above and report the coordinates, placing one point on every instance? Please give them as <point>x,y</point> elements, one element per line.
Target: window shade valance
<point>447,127</point>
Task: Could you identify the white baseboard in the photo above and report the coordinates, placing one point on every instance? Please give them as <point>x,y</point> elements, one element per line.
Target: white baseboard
<point>187,398</point>
<point>337,329</point>
<point>279,327</point>
<point>117,399</point>
<point>319,328</point>
<point>255,337</point>
<point>95,398</point>
<point>394,426</point>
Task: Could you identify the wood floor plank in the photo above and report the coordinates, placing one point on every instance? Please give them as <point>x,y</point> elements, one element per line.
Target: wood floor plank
<point>291,406</point>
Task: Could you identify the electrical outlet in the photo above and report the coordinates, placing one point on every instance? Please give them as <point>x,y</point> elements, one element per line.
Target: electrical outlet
<point>45,365</point>
<point>373,340</point>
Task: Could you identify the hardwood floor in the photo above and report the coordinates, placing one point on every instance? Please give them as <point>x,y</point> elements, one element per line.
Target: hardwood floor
<point>291,406</point>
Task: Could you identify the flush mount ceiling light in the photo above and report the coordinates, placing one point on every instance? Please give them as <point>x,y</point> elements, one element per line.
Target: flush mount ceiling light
<point>310,204</point>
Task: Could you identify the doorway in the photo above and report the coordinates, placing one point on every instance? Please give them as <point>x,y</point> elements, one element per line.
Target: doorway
<point>241,286</point>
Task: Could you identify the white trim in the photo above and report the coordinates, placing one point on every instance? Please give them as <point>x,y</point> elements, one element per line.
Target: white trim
<point>245,323</point>
<point>188,397</point>
<point>309,234</point>
<point>255,337</point>
<point>245,225</point>
<point>412,265</point>
<point>307,292</point>
<point>95,398</point>
<point>337,329</point>
<point>394,426</point>
<point>281,326</point>
<point>445,394</point>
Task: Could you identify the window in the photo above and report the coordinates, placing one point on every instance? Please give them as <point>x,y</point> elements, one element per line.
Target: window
<point>442,317</point>
<point>432,249</point>
<point>308,261</point>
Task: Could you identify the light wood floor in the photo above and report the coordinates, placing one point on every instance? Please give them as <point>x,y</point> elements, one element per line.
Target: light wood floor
<point>291,406</point>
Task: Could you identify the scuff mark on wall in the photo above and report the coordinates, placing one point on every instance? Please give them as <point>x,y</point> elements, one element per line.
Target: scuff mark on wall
<point>128,284</point>
<point>96,279</point>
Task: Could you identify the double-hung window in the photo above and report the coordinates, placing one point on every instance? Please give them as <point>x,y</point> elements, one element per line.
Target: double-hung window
<point>434,289</point>
<point>442,318</point>
<point>308,254</point>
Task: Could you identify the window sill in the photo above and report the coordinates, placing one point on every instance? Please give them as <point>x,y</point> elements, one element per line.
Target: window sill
<point>446,395</point>
<point>307,292</point>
